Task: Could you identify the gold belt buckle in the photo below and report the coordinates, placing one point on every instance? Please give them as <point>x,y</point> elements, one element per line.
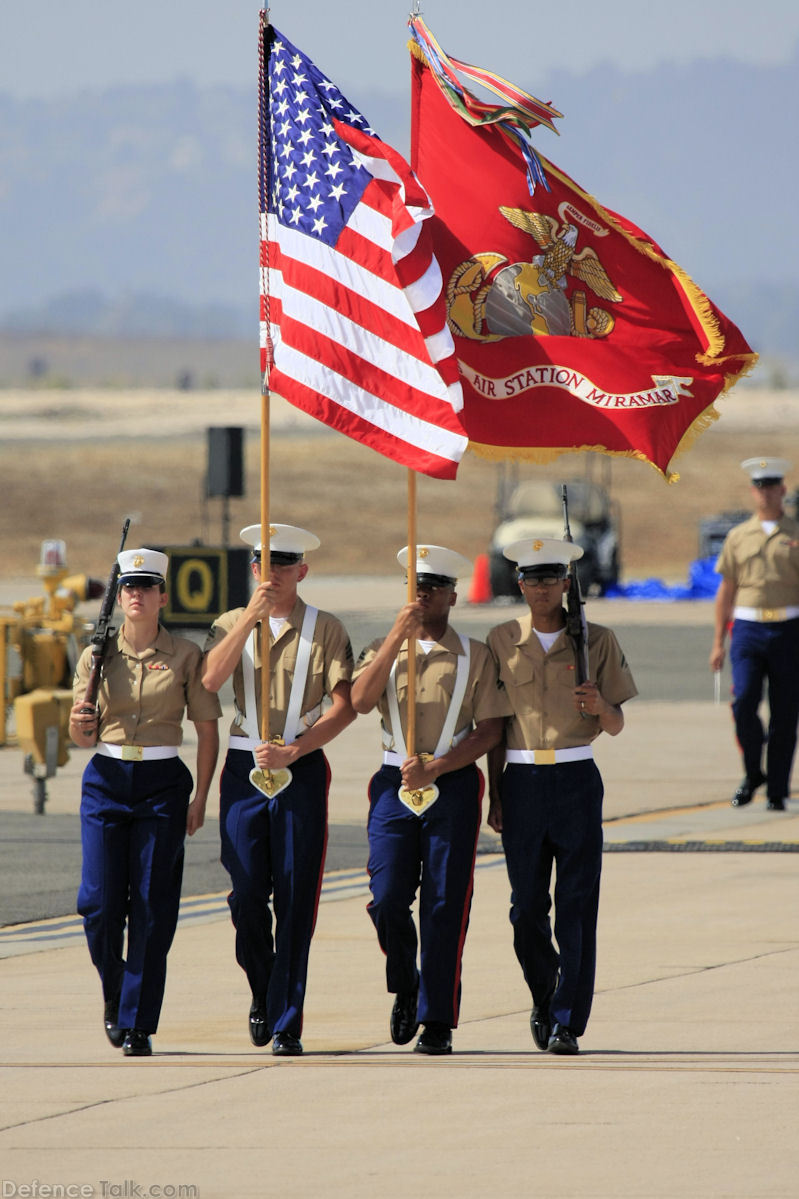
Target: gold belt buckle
<point>544,757</point>
<point>771,614</point>
<point>132,753</point>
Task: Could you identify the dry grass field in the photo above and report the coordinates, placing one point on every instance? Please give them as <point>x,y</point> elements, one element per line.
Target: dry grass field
<point>73,464</point>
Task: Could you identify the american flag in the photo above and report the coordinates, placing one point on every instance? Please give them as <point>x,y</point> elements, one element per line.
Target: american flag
<point>353,315</point>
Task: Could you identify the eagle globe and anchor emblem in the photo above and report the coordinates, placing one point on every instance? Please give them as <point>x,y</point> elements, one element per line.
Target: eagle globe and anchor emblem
<point>489,298</point>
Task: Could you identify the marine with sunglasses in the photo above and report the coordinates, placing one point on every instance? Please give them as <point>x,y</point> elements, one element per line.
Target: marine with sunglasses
<point>135,810</point>
<point>273,793</point>
<point>425,802</point>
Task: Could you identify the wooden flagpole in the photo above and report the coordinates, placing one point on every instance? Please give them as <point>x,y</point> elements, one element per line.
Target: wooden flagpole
<point>263,189</point>
<point>410,733</point>
<point>410,736</point>
<point>265,562</point>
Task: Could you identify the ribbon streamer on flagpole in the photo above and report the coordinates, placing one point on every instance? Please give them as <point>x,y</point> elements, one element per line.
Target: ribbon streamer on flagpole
<point>516,117</point>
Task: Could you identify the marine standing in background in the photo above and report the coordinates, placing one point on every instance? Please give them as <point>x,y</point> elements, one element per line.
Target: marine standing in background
<point>425,808</point>
<point>135,808</point>
<point>547,801</point>
<point>759,593</point>
<point>276,846</point>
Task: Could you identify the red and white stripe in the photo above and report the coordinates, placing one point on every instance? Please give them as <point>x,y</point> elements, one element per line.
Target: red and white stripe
<point>359,334</point>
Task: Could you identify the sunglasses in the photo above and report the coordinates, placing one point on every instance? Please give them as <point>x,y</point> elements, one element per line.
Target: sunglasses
<point>540,580</point>
<point>425,585</point>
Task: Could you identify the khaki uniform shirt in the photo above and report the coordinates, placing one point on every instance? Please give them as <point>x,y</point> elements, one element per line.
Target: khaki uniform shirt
<point>435,682</point>
<point>540,685</point>
<point>330,664</point>
<point>143,697</point>
<point>764,568</point>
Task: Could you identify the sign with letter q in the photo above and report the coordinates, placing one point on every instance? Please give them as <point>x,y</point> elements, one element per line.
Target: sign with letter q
<point>202,582</point>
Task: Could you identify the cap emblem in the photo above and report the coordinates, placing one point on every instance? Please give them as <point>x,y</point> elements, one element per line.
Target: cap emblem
<point>272,530</point>
<point>538,545</point>
<point>138,562</point>
<point>424,552</point>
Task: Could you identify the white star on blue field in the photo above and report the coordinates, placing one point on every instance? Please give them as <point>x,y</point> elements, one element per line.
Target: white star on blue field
<point>316,180</point>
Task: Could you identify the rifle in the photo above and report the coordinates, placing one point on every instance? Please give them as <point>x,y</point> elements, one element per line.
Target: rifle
<point>103,631</point>
<point>576,627</point>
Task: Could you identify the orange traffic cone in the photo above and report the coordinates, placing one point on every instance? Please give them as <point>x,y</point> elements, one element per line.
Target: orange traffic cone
<point>480,590</point>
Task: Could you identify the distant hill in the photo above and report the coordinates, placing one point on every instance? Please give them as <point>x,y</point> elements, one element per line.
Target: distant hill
<point>54,361</point>
<point>133,212</point>
<point>129,191</point>
<point>93,313</point>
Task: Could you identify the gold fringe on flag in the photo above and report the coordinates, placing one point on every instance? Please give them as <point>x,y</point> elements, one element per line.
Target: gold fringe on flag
<point>546,455</point>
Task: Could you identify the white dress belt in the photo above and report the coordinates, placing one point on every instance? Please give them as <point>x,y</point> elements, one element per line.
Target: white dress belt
<point>308,720</point>
<point>248,742</point>
<point>549,757</point>
<point>392,758</point>
<point>136,753</point>
<point>766,615</point>
<point>244,742</point>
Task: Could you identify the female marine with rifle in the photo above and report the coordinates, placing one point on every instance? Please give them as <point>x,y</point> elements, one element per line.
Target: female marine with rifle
<point>131,693</point>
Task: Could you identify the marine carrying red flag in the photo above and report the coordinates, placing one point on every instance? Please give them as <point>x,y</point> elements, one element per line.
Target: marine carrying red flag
<point>353,319</point>
<point>573,329</point>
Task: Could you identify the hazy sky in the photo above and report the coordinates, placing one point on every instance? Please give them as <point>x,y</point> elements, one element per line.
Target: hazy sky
<point>49,48</point>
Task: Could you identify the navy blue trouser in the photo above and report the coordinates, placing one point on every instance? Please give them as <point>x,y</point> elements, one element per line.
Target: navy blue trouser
<point>760,652</point>
<point>433,852</point>
<point>133,827</point>
<point>275,847</point>
<point>553,814</point>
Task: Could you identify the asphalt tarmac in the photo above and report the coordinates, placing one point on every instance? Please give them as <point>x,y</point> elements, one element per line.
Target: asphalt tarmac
<point>687,1083</point>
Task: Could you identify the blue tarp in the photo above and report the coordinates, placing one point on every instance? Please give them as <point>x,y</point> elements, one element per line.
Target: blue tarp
<point>703,583</point>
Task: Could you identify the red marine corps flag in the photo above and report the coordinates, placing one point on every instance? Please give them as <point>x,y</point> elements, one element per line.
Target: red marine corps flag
<point>353,317</point>
<point>573,329</point>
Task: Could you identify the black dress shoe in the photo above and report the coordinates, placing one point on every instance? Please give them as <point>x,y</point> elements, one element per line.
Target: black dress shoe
<point>746,791</point>
<point>404,1024</point>
<point>137,1043</point>
<point>541,1018</point>
<point>285,1044</point>
<point>563,1040</point>
<point>260,1032</point>
<point>115,1034</point>
<point>775,805</point>
<point>435,1039</point>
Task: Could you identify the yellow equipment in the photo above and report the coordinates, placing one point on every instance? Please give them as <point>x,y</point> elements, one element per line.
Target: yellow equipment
<point>40,642</point>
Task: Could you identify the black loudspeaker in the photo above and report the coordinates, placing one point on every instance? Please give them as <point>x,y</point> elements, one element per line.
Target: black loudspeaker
<point>225,462</point>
